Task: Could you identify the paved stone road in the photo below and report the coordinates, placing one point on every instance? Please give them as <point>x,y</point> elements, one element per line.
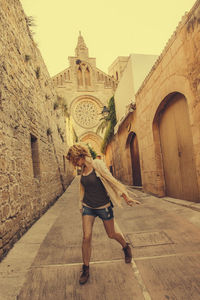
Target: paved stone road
<point>45,264</point>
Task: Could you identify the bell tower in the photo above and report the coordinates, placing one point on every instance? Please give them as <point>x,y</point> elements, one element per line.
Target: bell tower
<point>81,50</point>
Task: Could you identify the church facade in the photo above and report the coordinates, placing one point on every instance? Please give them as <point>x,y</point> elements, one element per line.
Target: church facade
<point>86,89</point>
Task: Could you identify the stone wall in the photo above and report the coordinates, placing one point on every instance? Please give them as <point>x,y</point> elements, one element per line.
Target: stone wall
<point>117,68</point>
<point>33,171</point>
<point>118,152</point>
<point>176,70</point>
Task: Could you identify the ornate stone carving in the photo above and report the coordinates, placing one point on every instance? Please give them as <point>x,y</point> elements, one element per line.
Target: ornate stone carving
<point>86,113</point>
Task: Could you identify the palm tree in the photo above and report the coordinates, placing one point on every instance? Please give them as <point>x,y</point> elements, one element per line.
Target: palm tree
<point>103,124</point>
<point>92,152</point>
<point>105,120</point>
<point>108,122</point>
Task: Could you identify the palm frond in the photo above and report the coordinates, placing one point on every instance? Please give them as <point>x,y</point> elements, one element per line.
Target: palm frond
<point>102,126</point>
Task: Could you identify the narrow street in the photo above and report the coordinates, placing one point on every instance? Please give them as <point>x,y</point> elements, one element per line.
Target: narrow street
<point>45,263</point>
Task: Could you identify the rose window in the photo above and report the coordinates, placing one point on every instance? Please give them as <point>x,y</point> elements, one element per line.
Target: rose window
<point>86,114</point>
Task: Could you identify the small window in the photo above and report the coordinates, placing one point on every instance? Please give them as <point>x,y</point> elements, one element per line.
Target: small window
<point>64,167</point>
<point>35,156</point>
<point>87,77</point>
<point>80,77</point>
<point>111,169</point>
<point>117,75</point>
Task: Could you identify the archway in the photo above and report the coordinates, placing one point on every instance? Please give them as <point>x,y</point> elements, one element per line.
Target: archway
<point>176,146</point>
<point>93,140</point>
<point>132,142</point>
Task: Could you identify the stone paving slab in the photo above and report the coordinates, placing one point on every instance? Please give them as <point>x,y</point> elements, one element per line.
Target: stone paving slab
<point>63,245</point>
<point>189,204</point>
<point>176,277</point>
<point>14,267</point>
<point>45,264</point>
<point>109,280</point>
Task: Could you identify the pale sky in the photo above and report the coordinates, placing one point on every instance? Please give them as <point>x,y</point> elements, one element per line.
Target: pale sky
<point>110,28</point>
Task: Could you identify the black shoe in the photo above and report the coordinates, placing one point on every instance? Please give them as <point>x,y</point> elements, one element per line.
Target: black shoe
<point>85,274</point>
<point>127,253</point>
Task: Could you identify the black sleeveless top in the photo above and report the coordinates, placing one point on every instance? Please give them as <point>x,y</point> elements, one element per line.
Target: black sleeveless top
<point>95,193</point>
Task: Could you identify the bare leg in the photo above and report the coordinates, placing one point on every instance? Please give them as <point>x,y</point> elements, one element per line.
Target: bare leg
<point>87,222</point>
<point>110,229</point>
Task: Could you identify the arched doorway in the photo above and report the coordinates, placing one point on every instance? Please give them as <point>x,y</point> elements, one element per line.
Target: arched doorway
<point>135,158</point>
<point>93,140</point>
<point>177,149</point>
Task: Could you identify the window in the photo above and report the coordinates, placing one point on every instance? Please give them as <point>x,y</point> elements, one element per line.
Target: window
<point>87,77</point>
<point>117,75</point>
<point>64,167</point>
<point>80,77</point>
<point>35,156</point>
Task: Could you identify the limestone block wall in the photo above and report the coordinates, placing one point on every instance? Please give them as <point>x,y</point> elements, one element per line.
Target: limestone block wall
<point>118,151</point>
<point>176,70</point>
<point>33,171</point>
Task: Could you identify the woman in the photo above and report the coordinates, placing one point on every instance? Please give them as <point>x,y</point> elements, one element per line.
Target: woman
<point>97,190</point>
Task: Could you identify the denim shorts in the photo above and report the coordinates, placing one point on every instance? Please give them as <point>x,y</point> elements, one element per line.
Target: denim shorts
<point>103,213</point>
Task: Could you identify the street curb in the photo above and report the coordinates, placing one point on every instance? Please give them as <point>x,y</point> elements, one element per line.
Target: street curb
<point>191,205</point>
<point>188,204</point>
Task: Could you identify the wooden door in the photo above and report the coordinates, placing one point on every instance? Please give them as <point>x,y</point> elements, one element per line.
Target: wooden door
<point>177,150</point>
<point>135,159</point>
